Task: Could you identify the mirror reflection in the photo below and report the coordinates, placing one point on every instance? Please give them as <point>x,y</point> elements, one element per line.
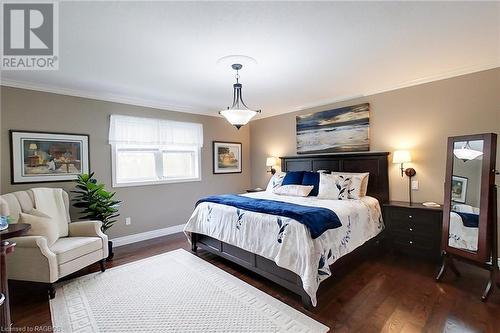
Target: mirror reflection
<point>465,195</point>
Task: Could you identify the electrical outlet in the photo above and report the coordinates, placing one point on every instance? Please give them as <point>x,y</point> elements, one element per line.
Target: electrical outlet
<point>414,185</point>
<point>128,221</point>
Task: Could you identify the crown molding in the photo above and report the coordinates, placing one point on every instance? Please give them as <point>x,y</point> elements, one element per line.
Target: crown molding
<point>155,104</point>
<point>102,96</point>
<point>407,84</point>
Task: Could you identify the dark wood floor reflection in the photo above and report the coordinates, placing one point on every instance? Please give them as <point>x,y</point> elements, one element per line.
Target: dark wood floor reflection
<point>384,294</point>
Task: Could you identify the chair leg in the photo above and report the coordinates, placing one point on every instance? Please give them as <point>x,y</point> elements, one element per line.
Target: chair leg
<point>102,263</point>
<point>51,290</point>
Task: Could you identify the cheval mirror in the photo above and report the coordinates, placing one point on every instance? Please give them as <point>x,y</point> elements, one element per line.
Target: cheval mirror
<point>470,206</point>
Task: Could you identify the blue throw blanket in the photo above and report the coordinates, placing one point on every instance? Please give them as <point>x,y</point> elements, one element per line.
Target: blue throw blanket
<point>316,219</point>
<point>469,220</point>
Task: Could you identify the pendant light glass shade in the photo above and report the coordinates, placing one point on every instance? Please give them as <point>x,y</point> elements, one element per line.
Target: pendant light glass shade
<point>238,114</point>
<point>466,153</point>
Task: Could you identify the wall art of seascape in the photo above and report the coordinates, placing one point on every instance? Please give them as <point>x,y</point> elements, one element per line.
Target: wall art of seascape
<point>339,130</point>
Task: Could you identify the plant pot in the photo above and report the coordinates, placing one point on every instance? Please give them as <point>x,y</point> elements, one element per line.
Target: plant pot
<point>110,251</point>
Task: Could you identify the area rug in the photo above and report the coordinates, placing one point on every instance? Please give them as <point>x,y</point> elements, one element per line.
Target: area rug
<point>171,292</point>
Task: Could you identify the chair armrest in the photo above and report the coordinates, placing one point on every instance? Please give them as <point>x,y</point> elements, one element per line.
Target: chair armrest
<point>32,260</point>
<point>31,242</point>
<point>85,229</point>
<point>89,229</point>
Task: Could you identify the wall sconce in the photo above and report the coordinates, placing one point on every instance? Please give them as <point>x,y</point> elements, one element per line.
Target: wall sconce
<point>402,157</point>
<point>270,163</point>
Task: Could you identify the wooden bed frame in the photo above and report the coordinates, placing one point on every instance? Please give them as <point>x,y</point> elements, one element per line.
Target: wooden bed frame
<point>378,187</point>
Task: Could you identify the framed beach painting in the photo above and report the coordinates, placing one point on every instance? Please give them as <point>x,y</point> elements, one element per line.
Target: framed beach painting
<point>333,131</point>
<point>459,189</point>
<point>47,157</point>
<point>226,157</point>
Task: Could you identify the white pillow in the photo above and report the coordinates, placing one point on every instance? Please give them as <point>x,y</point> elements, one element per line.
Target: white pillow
<point>294,190</point>
<point>334,187</point>
<point>359,183</point>
<point>461,208</point>
<point>41,225</point>
<point>275,181</point>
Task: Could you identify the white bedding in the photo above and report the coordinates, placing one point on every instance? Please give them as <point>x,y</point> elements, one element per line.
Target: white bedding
<point>460,236</point>
<point>287,242</point>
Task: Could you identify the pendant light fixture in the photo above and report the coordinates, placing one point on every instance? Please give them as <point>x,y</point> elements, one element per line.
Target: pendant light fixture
<point>238,114</point>
<point>466,153</point>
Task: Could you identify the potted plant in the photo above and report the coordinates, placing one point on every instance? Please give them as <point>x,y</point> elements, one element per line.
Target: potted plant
<point>97,203</point>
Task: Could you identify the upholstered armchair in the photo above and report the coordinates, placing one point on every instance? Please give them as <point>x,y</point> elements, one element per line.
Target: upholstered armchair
<point>36,259</point>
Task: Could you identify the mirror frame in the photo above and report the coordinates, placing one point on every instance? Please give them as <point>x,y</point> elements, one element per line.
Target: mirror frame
<point>487,182</point>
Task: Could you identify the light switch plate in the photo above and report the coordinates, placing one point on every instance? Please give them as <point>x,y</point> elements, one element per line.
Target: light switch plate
<point>414,185</point>
<point>128,221</point>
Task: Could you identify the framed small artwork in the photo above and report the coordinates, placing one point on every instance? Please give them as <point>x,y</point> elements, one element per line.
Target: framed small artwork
<point>334,131</point>
<point>458,189</point>
<point>38,157</point>
<point>227,157</point>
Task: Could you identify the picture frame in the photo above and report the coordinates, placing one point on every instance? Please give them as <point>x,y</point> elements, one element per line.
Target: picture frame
<point>340,130</point>
<point>40,157</point>
<point>459,189</point>
<point>227,157</point>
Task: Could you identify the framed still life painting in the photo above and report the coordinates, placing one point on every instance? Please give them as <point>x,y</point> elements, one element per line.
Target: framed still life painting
<point>227,157</point>
<point>47,157</point>
<point>334,131</point>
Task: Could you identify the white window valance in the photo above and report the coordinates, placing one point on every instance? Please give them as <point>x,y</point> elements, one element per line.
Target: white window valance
<point>150,131</point>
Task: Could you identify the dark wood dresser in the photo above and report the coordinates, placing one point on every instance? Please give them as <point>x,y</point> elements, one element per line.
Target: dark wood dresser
<point>413,229</point>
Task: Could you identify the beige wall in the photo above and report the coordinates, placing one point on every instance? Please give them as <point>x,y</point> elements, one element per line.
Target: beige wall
<point>418,118</point>
<point>151,207</point>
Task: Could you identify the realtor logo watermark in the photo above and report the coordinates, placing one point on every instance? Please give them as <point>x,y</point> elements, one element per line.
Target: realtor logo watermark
<point>30,35</point>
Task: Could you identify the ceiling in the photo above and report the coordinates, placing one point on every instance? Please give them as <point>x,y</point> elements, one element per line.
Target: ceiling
<point>164,54</point>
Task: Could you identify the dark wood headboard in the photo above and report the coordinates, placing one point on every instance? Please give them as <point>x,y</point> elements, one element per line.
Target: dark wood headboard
<point>374,163</point>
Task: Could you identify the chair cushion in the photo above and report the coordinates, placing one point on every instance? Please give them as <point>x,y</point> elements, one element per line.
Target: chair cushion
<point>70,248</point>
<point>41,225</point>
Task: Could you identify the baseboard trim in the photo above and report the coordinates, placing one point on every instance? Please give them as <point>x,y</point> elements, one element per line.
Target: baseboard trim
<point>120,241</point>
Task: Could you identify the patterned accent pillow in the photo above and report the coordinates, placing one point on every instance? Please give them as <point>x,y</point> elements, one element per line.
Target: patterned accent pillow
<point>275,181</point>
<point>294,190</point>
<point>334,187</point>
<point>359,183</point>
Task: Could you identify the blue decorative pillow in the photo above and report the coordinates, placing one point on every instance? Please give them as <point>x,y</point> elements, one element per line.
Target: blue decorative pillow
<point>293,178</point>
<point>311,178</point>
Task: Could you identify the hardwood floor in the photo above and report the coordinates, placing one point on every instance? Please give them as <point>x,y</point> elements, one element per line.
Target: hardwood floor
<point>384,294</point>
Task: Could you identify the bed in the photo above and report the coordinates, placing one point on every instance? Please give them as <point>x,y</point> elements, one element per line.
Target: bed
<point>464,231</point>
<point>283,250</point>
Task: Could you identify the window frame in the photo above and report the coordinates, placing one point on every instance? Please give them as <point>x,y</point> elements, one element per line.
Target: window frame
<point>160,149</point>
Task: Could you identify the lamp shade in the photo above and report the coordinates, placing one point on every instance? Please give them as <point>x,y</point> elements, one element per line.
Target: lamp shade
<point>33,146</point>
<point>401,156</point>
<point>239,117</point>
<point>271,161</point>
<point>465,153</point>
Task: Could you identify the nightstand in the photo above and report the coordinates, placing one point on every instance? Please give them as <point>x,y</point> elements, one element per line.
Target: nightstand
<point>255,190</point>
<point>414,229</point>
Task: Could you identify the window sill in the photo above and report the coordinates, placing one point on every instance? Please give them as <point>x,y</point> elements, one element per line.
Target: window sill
<point>156,182</point>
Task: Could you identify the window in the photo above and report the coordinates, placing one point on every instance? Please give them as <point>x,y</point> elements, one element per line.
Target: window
<point>151,151</point>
